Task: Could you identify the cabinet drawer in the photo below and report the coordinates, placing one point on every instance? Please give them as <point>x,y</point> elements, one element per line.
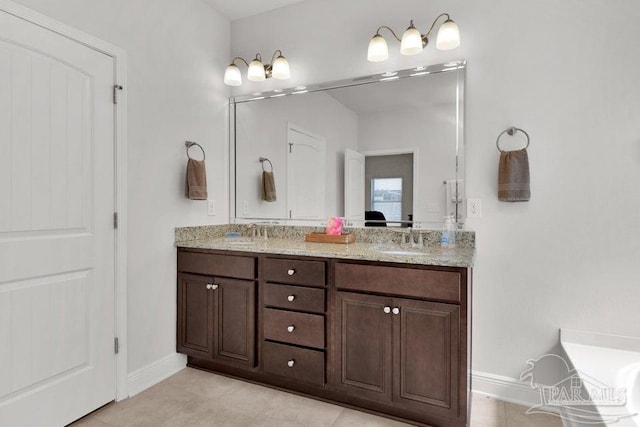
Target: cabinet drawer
<point>293,362</point>
<point>310,273</point>
<point>410,282</point>
<point>295,328</point>
<point>217,265</point>
<point>294,298</point>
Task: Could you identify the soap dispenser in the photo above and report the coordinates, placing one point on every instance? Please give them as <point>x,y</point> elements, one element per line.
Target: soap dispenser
<point>448,239</point>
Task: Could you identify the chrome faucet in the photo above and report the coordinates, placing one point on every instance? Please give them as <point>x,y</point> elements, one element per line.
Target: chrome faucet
<point>411,238</point>
<point>254,230</point>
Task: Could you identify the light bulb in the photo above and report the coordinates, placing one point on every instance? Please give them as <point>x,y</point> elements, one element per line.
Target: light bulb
<point>448,36</point>
<point>411,43</point>
<point>280,69</point>
<point>378,50</point>
<point>256,71</point>
<point>232,76</point>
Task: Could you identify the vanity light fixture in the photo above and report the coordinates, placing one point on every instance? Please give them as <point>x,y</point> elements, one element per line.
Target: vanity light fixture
<point>412,42</point>
<point>257,71</point>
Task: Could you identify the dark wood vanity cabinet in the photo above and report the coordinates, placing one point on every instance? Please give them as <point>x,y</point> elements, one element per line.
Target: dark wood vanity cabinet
<point>294,318</point>
<point>398,351</point>
<point>386,337</point>
<point>217,315</point>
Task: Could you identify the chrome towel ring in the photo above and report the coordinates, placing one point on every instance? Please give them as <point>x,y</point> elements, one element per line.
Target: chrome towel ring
<point>263,160</point>
<point>511,131</point>
<point>189,144</point>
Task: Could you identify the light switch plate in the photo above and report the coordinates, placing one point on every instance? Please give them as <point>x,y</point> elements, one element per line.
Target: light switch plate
<point>474,208</point>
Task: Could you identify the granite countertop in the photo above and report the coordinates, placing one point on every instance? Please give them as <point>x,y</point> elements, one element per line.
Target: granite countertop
<point>425,255</point>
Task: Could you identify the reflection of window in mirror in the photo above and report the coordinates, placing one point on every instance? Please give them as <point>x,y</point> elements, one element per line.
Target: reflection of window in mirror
<point>386,197</point>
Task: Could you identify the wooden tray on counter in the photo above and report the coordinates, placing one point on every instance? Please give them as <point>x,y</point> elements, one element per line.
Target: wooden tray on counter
<point>318,237</point>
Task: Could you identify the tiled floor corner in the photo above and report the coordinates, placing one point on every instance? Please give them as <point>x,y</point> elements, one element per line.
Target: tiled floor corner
<point>194,398</point>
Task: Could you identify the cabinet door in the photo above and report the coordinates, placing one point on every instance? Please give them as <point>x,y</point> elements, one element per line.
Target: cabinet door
<point>195,316</point>
<point>235,321</point>
<point>363,346</point>
<point>426,352</point>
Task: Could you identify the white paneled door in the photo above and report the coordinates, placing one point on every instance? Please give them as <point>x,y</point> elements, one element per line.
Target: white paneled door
<point>354,191</point>
<point>306,174</point>
<point>57,359</point>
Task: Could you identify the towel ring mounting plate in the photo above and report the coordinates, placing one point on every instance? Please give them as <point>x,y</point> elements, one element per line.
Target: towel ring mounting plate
<point>511,131</point>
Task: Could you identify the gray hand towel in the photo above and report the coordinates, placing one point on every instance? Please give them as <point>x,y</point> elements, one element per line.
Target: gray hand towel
<point>513,177</point>
<point>268,187</point>
<point>196,182</point>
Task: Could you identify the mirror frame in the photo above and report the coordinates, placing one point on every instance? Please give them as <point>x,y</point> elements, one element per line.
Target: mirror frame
<point>459,65</point>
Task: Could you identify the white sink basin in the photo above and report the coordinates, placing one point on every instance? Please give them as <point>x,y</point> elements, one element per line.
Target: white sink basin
<point>240,241</point>
<point>401,252</point>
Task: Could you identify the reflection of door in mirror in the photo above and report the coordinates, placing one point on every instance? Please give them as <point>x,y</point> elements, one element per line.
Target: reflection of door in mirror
<point>354,199</point>
<point>389,186</point>
<point>306,158</point>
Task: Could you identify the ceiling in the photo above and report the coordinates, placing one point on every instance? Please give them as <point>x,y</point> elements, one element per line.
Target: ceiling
<point>237,9</point>
<point>433,90</point>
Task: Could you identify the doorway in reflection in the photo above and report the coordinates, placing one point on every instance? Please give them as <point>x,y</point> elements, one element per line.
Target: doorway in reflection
<point>389,187</point>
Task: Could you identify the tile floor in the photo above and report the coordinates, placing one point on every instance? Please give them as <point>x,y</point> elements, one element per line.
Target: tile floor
<point>196,399</point>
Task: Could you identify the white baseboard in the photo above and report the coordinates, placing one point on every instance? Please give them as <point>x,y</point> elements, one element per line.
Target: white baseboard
<point>155,372</point>
<point>504,388</point>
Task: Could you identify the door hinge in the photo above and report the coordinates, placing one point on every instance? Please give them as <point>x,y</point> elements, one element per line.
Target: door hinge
<point>115,220</point>
<point>116,345</point>
<point>116,92</point>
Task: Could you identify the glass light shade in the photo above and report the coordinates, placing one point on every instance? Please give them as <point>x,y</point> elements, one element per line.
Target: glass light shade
<point>448,36</point>
<point>411,43</point>
<point>232,76</point>
<point>256,71</point>
<point>378,50</point>
<point>280,69</point>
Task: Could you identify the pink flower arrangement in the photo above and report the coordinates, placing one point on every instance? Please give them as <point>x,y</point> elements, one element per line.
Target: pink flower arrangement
<point>334,226</point>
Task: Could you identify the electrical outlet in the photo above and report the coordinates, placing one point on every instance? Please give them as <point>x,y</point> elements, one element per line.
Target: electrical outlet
<point>474,208</point>
<point>211,207</point>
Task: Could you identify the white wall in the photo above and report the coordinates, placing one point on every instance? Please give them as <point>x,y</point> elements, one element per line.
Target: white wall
<point>261,131</point>
<point>565,71</point>
<point>176,52</point>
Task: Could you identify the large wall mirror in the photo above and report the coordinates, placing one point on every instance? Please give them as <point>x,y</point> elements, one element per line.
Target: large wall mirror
<point>381,150</point>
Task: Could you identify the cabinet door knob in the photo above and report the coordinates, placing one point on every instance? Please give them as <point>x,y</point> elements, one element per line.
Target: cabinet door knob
<point>291,272</point>
<point>291,328</point>
<point>387,310</point>
<point>209,286</point>
<point>396,310</point>
<point>214,287</point>
<point>290,363</point>
<point>290,298</point>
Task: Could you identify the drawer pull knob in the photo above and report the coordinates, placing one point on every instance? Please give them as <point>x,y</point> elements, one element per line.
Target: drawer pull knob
<point>396,310</point>
<point>290,363</point>
<point>291,328</point>
<point>291,272</point>
<point>387,310</point>
<point>290,298</point>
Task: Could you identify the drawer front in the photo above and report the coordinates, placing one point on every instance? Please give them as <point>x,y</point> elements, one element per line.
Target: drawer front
<point>293,362</point>
<point>295,328</point>
<point>410,282</point>
<point>300,272</point>
<point>294,298</point>
<point>217,265</point>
